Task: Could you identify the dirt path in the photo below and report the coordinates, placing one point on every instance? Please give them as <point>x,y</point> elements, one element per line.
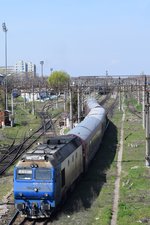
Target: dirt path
<point>117,182</point>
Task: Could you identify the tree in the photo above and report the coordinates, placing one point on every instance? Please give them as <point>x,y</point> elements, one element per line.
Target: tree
<point>58,80</point>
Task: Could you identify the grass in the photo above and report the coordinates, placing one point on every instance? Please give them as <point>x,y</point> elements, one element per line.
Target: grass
<point>134,102</point>
<point>134,190</point>
<point>6,184</point>
<point>91,202</point>
<point>25,122</point>
<point>102,208</point>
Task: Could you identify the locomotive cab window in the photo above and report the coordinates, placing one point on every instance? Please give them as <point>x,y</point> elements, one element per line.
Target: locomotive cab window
<point>43,174</point>
<point>24,174</point>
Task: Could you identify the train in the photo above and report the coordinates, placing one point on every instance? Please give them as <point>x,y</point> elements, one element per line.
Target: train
<point>44,175</point>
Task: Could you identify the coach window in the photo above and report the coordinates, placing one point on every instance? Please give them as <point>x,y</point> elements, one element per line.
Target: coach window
<point>63,177</point>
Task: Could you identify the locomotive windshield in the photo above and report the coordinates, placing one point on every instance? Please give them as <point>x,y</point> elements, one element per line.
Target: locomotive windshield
<point>43,174</point>
<point>24,174</point>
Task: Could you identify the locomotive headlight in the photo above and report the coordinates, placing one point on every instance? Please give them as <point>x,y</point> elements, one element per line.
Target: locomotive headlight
<point>36,189</point>
<point>20,194</point>
<point>46,195</point>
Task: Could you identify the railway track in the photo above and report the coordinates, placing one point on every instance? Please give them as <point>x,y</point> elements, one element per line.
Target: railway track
<point>109,105</point>
<point>132,108</point>
<point>16,219</point>
<point>14,152</point>
<point>13,219</point>
<point>107,97</point>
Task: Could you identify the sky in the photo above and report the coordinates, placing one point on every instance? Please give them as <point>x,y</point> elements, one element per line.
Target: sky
<point>80,37</point>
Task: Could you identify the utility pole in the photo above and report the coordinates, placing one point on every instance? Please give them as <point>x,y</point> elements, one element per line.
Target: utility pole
<point>12,110</point>
<point>147,131</point>
<point>64,100</point>
<point>12,104</point>
<point>71,117</point>
<point>51,69</point>
<point>79,105</point>
<point>94,86</point>
<point>119,95</point>
<point>143,105</point>
<point>82,102</point>
<point>138,86</point>
<point>42,63</point>
<point>33,103</point>
<point>6,97</point>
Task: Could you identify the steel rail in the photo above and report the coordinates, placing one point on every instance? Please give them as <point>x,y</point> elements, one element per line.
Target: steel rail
<point>14,218</point>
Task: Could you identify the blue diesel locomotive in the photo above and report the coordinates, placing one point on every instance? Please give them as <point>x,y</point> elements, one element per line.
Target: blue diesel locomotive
<point>44,174</point>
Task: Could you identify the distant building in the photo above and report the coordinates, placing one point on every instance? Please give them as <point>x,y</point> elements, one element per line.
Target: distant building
<point>20,67</point>
<point>31,68</point>
<point>10,69</point>
<point>25,67</point>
